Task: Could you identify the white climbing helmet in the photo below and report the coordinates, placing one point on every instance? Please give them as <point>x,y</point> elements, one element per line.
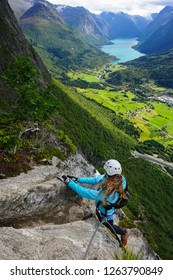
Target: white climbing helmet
<point>112,167</point>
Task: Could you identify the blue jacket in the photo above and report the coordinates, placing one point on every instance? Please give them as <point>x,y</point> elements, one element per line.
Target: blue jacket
<point>96,195</point>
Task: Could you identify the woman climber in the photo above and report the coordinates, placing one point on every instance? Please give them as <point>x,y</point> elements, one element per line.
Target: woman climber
<point>112,185</point>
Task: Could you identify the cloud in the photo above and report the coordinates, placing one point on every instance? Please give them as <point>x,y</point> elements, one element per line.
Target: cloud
<point>133,7</point>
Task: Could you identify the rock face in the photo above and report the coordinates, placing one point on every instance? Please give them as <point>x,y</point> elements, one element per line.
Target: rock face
<point>41,218</point>
<point>39,197</point>
<point>63,242</point>
<point>13,44</point>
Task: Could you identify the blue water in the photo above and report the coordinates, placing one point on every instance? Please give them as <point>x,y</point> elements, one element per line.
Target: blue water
<point>122,49</point>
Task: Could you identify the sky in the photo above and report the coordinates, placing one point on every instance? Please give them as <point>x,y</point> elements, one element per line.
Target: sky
<point>132,7</point>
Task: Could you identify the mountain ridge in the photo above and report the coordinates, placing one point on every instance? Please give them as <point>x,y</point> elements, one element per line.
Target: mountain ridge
<point>120,25</point>
<point>42,9</point>
<point>158,36</point>
<point>84,23</point>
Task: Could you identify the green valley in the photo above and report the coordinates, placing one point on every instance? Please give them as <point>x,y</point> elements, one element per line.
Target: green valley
<point>152,118</point>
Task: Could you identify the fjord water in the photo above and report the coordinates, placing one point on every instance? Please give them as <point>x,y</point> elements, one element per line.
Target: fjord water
<point>122,49</point>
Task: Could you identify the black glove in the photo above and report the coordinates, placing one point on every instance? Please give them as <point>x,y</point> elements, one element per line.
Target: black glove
<point>63,178</point>
<point>72,178</point>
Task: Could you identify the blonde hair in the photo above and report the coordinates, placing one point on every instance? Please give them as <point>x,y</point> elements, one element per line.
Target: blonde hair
<point>113,184</point>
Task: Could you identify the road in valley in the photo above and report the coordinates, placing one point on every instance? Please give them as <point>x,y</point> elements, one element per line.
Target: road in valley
<point>153,159</point>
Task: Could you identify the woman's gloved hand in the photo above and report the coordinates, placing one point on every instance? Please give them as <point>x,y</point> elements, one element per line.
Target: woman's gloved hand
<point>72,178</point>
<point>63,178</point>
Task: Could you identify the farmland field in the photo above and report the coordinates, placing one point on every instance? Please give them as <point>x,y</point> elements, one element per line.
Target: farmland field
<point>155,119</point>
